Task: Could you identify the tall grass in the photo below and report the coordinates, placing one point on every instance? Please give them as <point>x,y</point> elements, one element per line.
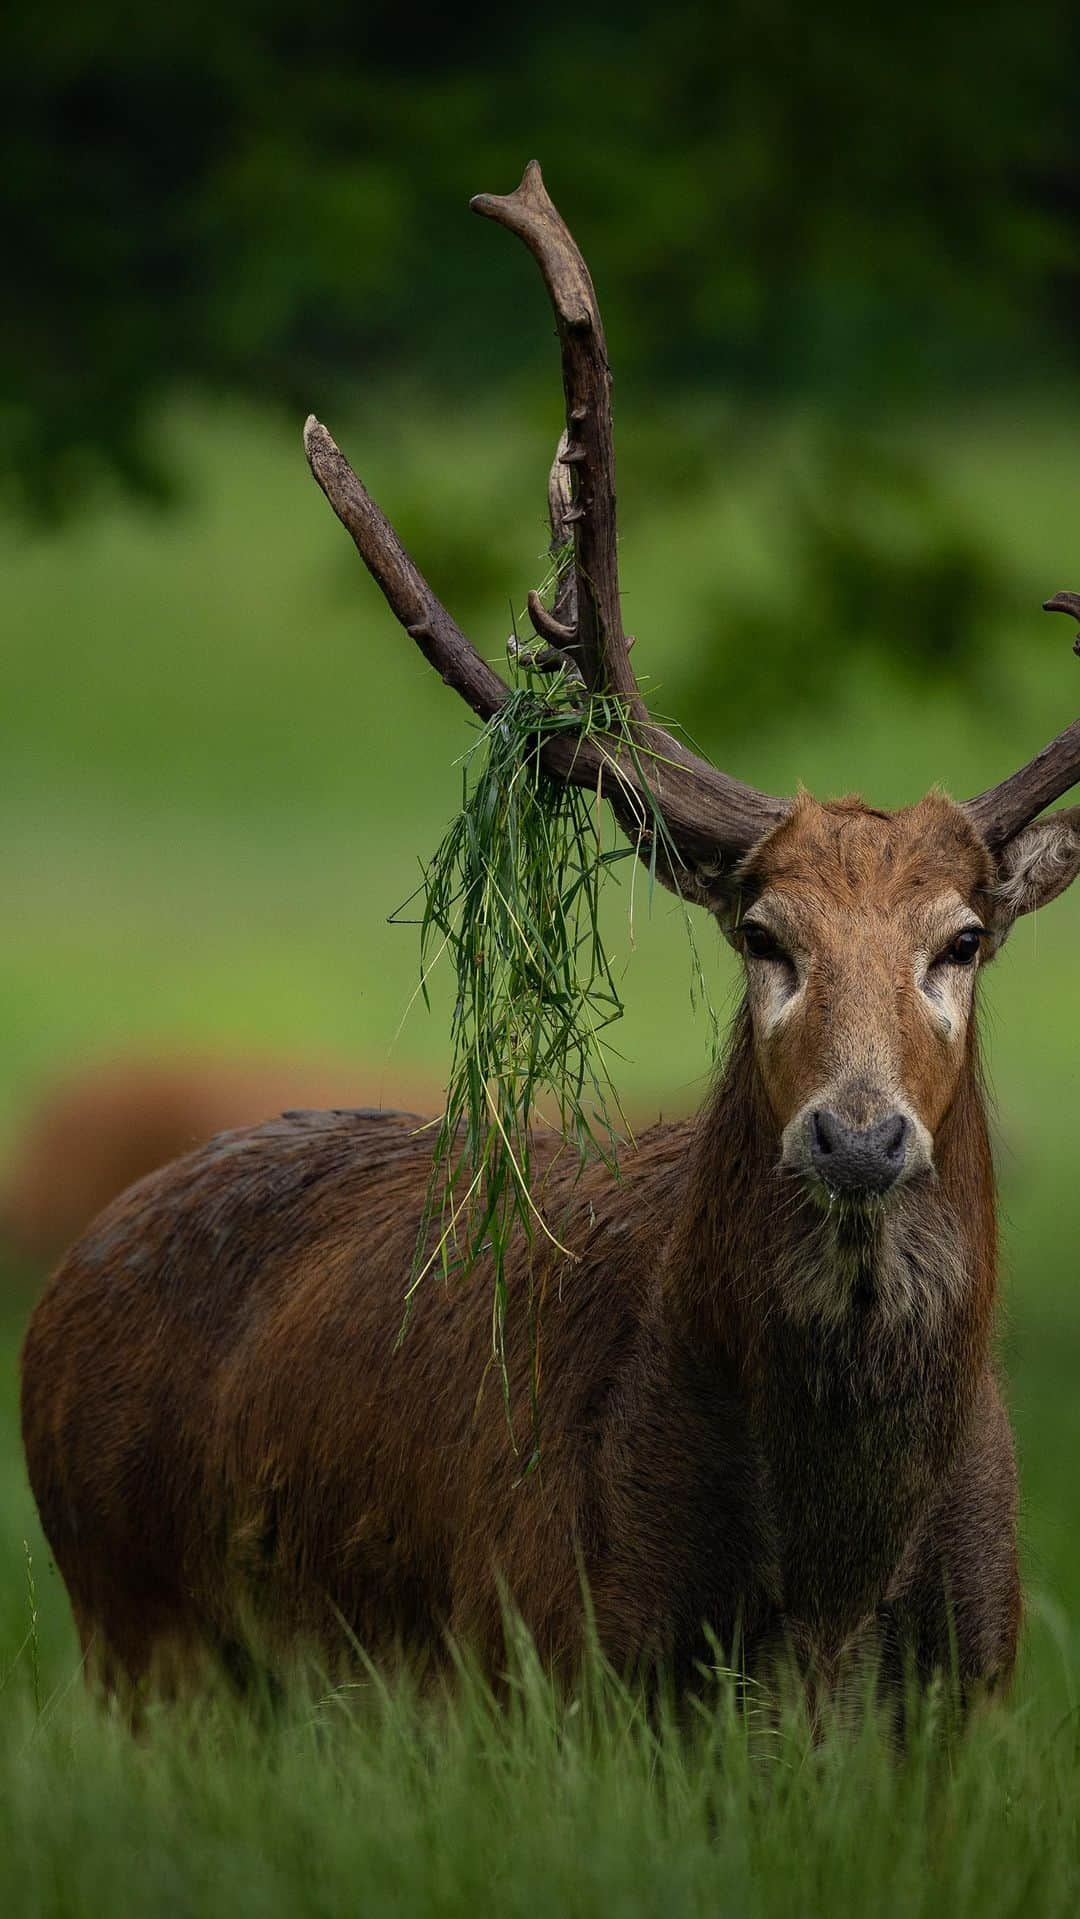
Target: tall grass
<point>380,1797</point>
<point>512,897</point>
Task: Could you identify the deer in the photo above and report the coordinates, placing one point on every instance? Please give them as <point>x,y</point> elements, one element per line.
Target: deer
<point>770,1419</point>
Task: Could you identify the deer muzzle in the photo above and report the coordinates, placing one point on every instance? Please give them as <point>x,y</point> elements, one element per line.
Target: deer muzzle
<point>855,1161</point>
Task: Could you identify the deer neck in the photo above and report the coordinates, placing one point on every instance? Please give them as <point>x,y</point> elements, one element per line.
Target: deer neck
<point>856,1339</point>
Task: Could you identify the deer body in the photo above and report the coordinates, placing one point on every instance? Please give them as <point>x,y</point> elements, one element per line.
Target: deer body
<point>760,1419</point>
<point>767,1412</point>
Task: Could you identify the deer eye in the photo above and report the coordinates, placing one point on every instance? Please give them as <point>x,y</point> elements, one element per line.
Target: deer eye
<point>963,949</point>
<point>760,944</point>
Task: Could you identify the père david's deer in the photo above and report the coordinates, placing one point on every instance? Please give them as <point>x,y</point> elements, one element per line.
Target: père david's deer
<point>768,1411</point>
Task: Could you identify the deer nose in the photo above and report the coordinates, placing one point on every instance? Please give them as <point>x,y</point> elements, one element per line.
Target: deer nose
<point>858,1160</point>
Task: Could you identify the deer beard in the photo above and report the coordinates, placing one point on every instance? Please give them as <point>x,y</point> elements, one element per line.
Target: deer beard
<point>860,1397</point>
<point>879,1274</point>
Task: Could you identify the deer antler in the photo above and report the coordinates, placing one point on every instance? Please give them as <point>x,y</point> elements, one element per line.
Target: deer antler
<point>1002,810</point>
<point>710,819</point>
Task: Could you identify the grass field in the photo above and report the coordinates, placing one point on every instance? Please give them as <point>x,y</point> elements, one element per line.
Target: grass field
<point>220,762</point>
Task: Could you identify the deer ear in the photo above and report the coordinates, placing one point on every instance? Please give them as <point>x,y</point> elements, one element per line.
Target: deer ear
<point>1035,866</point>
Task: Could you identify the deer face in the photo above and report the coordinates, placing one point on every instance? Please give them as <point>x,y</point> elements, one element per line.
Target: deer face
<point>862,935</point>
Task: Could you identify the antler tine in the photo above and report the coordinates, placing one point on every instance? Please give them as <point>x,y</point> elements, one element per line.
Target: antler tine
<point>408,594</point>
<point>587,449</point>
<point>560,625</point>
<point>1003,809</point>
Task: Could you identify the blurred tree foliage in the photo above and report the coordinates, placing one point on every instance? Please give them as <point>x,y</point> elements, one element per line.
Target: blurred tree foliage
<point>267,197</point>
<point>877,556</point>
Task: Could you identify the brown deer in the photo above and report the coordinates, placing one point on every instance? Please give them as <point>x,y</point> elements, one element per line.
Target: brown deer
<point>768,1413</point>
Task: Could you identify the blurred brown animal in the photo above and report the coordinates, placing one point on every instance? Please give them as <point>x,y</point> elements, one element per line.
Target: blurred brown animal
<point>768,1416</point>
<point>96,1131</point>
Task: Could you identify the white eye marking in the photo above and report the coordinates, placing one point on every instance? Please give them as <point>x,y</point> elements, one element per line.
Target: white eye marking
<point>776,992</point>
<point>945,968</point>
<point>943,1020</point>
<point>775,978</point>
<point>947,991</point>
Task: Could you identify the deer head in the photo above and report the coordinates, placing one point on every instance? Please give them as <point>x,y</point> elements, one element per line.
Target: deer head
<point>861,931</point>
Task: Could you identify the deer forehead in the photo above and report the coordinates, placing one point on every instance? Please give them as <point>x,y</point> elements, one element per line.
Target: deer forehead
<point>840,872</point>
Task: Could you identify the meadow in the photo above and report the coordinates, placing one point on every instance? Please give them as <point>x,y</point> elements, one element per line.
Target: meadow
<point>221,762</point>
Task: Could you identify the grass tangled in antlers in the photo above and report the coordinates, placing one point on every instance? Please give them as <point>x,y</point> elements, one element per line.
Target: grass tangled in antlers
<point>512,895</point>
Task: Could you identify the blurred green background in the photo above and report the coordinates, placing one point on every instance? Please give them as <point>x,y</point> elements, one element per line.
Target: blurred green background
<point>838,265</point>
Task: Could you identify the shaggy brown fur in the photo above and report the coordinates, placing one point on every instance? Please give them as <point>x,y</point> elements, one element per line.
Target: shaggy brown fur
<point>761,1418</point>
